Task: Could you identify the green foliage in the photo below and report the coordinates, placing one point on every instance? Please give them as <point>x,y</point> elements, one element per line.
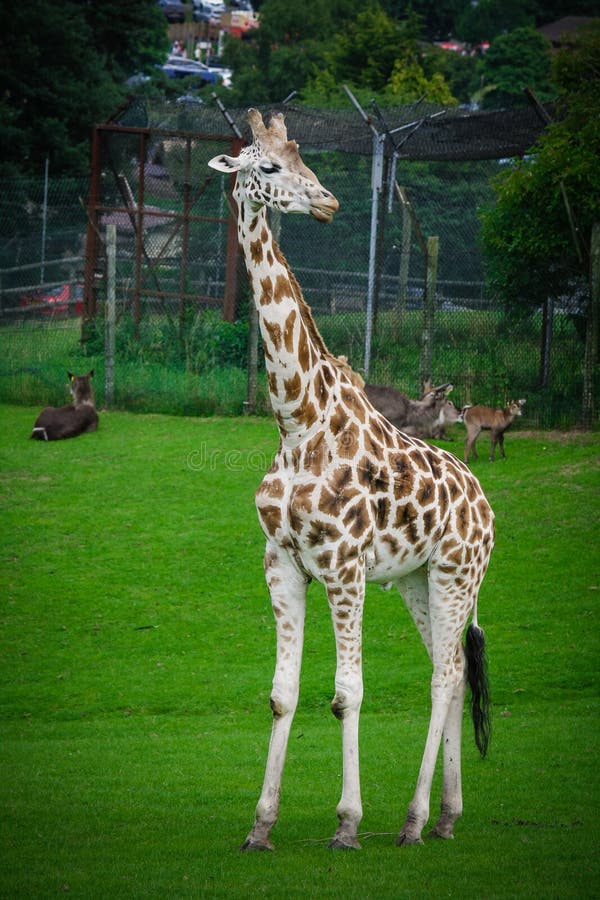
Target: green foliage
<point>61,66</point>
<point>487,19</point>
<point>514,61</point>
<point>136,656</point>
<point>528,233</point>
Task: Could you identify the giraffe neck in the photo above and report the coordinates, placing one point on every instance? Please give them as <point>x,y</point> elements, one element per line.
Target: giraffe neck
<point>299,368</point>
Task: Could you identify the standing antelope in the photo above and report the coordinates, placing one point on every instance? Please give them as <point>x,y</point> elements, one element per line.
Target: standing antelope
<point>57,422</point>
<point>484,418</point>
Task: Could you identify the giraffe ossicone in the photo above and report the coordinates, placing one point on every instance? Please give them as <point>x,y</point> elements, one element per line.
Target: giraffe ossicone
<point>349,500</point>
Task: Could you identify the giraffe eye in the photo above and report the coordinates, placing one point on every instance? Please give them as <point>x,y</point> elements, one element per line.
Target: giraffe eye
<point>269,168</point>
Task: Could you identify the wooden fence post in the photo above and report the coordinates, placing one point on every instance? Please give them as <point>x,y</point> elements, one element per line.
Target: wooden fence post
<point>433,247</point>
<point>590,359</point>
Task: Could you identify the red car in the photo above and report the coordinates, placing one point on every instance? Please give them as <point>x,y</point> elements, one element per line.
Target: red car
<point>65,299</point>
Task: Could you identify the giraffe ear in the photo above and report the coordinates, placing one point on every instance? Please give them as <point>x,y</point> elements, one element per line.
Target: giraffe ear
<point>225,163</point>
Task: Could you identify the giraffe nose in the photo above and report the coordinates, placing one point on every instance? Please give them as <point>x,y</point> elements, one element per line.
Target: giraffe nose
<point>324,206</point>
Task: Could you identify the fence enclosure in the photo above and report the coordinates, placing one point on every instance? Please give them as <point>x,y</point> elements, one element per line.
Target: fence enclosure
<point>410,305</point>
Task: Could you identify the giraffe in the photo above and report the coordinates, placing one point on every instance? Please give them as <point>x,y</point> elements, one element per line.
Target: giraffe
<point>347,500</point>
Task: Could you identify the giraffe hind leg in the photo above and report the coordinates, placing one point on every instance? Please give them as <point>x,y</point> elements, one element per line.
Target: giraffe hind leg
<point>447,696</point>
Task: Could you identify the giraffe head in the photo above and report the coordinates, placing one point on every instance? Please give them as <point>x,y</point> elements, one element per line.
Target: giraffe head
<point>271,172</point>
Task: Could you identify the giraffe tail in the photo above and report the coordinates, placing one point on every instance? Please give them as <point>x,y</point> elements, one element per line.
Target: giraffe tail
<point>477,674</point>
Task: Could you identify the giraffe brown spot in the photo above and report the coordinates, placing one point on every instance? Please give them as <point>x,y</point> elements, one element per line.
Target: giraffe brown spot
<point>452,551</point>
<point>288,331</point>
<point>463,519</point>
<point>393,545</point>
<point>419,460</point>
<point>320,389</point>
<point>406,519</point>
<point>429,519</point>
<point>442,501</point>
<point>357,518</point>
<point>322,533</point>
<point>356,404</point>
<point>266,291</point>
<point>292,386</point>
<point>434,463</point>
<point>305,414</point>
<point>272,379</point>
<point>274,331</point>
<point>271,518</point>
<point>272,488</point>
<point>303,350</point>
<point>338,420</point>
<point>381,512</point>
<point>270,258</point>
<point>346,552</point>
<point>301,499</point>
<point>282,289</point>
<point>373,446</point>
<point>484,513</point>
<point>348,441</point>
<point>329,375</point>
<point>338,493</point>
<point>324,559</point>
<point>403,476</point>
<point>453,488</point>
<point>256,251</point>
<point>426,492</point>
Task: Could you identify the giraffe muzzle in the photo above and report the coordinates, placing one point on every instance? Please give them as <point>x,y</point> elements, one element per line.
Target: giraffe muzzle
<point>324,208</point>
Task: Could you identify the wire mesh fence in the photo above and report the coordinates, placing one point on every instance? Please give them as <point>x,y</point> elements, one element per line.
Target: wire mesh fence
<point>176,352</point>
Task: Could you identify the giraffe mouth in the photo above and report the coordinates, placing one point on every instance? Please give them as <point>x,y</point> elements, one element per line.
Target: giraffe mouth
<point>324,209</point>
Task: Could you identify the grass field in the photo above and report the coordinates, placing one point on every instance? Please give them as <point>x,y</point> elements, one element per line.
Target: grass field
<point>136,656</point>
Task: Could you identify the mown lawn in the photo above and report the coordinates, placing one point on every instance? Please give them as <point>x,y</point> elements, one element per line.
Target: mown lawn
<point>136,656</point>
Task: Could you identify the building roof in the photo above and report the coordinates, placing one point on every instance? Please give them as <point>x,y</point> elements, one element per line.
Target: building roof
<point>556,31</point>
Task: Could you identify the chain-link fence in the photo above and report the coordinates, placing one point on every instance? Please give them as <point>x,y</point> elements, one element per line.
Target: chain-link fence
<point>176,263</point>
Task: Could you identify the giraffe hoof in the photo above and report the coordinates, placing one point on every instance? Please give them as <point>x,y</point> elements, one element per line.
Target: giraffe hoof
<point>404,839</point>
<point>253,844</point>
<point>443,833</point>
<point>343,843</point>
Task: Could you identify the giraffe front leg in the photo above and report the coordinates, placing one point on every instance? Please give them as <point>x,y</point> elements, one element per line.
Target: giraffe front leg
<point>346,600</point>
<point>287,587</point>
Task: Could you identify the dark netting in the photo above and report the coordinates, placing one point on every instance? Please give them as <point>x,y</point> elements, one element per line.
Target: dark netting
<point>425,131</point>
<point>177,272</point>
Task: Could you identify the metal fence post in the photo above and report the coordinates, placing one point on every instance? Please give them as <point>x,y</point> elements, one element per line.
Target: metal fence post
<point>109,348</point>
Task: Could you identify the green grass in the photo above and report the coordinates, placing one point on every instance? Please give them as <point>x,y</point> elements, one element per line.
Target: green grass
<point>136,656</point>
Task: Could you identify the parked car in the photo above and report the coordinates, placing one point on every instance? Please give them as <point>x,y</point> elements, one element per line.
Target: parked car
<point>178,67</point>
<point>174,10</point>
<point>63,300</point>
<point>208,11</point>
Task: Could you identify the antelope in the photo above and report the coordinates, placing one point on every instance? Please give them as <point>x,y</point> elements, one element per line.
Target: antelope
<point>448,414</point>
<point>57,422</point>
<point>405,413</point>
<point>484,418</point>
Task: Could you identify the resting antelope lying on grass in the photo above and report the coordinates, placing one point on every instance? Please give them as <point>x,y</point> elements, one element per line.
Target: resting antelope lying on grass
<point>57,422</point>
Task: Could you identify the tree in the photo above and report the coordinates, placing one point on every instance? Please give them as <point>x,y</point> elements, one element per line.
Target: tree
<point>484,20</point>
<point>62,65</point>
<point>529,235</point>
<point>513,62</point>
